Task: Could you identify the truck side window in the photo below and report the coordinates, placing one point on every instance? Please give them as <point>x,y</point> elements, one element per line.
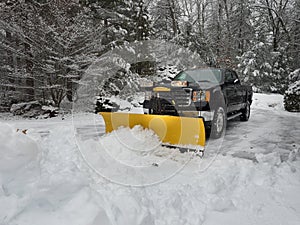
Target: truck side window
<point>228,77</point>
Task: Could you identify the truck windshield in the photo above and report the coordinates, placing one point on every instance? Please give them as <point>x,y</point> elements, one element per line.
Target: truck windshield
<point>203,75</point>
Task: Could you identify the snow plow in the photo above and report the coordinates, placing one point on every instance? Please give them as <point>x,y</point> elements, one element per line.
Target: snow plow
<point>173,131</point>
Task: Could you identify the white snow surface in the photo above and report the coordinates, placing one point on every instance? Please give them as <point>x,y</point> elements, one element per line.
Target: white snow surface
<point>69,172</point>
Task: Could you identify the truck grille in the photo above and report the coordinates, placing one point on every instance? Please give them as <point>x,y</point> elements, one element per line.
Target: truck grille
<point>182,98</point>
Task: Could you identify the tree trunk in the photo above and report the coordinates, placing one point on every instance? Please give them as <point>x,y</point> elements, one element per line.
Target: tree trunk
<point>175,27</point>
<point>29,75</point>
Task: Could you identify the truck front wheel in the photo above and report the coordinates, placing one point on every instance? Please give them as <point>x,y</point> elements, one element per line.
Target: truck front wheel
<point>219,123</point>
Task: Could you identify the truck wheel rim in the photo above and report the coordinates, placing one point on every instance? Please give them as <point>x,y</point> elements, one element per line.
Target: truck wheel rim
<point>220,121</point>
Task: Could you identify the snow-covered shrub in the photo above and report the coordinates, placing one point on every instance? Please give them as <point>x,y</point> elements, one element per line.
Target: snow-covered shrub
<point>166,72</point>
<point>25,107</point>
<point>33,109</point>
<point>292,95</point>
<point>104,104</point>
<point>49,111</point>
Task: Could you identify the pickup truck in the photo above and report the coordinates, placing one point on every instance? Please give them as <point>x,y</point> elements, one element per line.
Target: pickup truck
<point>214,94</point>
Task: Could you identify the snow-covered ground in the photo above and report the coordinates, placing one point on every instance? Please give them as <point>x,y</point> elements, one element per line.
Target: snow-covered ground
<point>69,172</point>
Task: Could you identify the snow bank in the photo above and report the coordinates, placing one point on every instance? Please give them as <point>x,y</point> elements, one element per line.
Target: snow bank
<point>19,166</point>
<point>17,151</point>
<point>40,182</point>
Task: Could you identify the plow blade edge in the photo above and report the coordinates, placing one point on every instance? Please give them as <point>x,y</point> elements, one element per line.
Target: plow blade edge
<point>172,130</point>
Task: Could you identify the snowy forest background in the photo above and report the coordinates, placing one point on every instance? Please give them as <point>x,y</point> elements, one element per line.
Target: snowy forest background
<point>47,45</point>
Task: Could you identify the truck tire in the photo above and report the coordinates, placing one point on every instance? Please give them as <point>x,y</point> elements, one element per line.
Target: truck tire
<point>219,123</point>
<point>245,112</point>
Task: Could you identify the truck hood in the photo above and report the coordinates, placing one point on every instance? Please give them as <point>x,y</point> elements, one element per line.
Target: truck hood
<point>207,85</point>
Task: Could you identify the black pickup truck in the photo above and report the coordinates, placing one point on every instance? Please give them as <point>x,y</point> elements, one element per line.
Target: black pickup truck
<point>216,95</point>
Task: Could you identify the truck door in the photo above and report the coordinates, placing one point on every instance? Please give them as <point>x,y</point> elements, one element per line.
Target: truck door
<point>239,91</point>
<point>229,89</point>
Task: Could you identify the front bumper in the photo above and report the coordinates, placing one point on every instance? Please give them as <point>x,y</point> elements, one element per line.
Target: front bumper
<point>206,115</point>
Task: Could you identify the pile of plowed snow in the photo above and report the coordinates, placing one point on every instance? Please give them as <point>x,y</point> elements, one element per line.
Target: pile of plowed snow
<point>131,157</point>
<point>19,161</point>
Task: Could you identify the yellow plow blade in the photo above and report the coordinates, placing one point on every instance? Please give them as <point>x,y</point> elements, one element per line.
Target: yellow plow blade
<point>173,130</point>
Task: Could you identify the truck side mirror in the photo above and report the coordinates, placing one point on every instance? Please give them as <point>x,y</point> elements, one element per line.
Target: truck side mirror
<point>236,81</point>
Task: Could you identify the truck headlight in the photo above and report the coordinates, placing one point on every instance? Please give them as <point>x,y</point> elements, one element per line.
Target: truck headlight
<point>196,96</point>
<point>201,96</point>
